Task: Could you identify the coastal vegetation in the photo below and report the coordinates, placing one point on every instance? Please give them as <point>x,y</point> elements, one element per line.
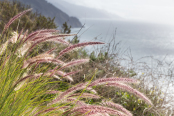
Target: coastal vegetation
<point>49,10</point>
<point>43,74</point>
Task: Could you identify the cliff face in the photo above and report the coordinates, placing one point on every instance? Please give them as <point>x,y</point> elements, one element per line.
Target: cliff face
<point>48,10</point>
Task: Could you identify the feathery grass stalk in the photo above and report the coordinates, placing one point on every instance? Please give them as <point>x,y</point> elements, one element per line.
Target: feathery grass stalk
<point>42,38</point>
<point>69,64</point>
<point>113,79</point>
<point>3,47</point>
<point>36,33</point>
<point>25,34</point>
<point>105,114</point>
<point>24,49</point>
<point>70,48</point>
<point>38,37</point>
<point>5,61</point>
<point>97,114</point>
<point>20,34</point>
<point>74,63</point>
<point>51,109</point>
<point>34,76</point>
<point>46,39</point>
<point>28,76</point>
<point>71,73</point>
<point>91,90</point>
<point>131,90</point>
<point>69,91</point>
<point>60,40</point>
<point>57,77</point>
<point>14,18</point>
<point>53,92</point>
<point>51,50</point>
<point>45,111</point>
<point>41,57</point>
<point>75,101</point>
<point>14,38</point>
<point>116,106</point>
<point>86,95</point>
<point>93,109</point>
<point>55,61</point>
<point>61,73</point>
<point>56,40</point>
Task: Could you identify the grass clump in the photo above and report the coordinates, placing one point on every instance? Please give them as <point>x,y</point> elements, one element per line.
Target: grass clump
<point>38,83</point>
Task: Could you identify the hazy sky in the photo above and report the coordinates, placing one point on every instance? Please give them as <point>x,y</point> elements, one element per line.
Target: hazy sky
<point>147,10</point>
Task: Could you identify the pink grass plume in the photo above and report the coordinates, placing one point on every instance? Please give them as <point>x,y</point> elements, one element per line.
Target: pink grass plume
<point>53,92</point>
<point>116,106</point>
<point>51,50</point>
<point>75,101</point>
<point>131,90</point>
<point>36,33</point>
<point>113,79</point>
<point>3,47</point>
<point>89,110</point>
<point>71,73</point>
<point>14,18</point>
<point>61,73</point>
<point>70,48</point>
<point>51,109</point>
<point>69,64</point>
<point>47,39</point>
<point>20,34</point>
<point>27,77</point>
<point>69,91</point>
<point>25,34</point>
<point>85,95</point>
<point>74,63</point>
<point>37,58</point>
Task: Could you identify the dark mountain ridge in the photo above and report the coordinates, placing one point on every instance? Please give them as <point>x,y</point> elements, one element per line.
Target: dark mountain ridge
<point>49,10</point>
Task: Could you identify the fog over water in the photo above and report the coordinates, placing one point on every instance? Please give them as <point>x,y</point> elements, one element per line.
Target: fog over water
<point>161,11</point>
<point>144,39</point>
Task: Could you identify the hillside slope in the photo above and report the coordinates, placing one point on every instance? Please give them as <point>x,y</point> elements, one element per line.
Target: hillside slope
<point>49,10</point>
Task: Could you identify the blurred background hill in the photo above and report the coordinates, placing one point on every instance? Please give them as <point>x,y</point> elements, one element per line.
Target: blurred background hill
<point>49,10</point>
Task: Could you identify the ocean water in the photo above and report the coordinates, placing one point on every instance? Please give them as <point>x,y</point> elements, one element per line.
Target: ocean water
<point>142,39</point>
